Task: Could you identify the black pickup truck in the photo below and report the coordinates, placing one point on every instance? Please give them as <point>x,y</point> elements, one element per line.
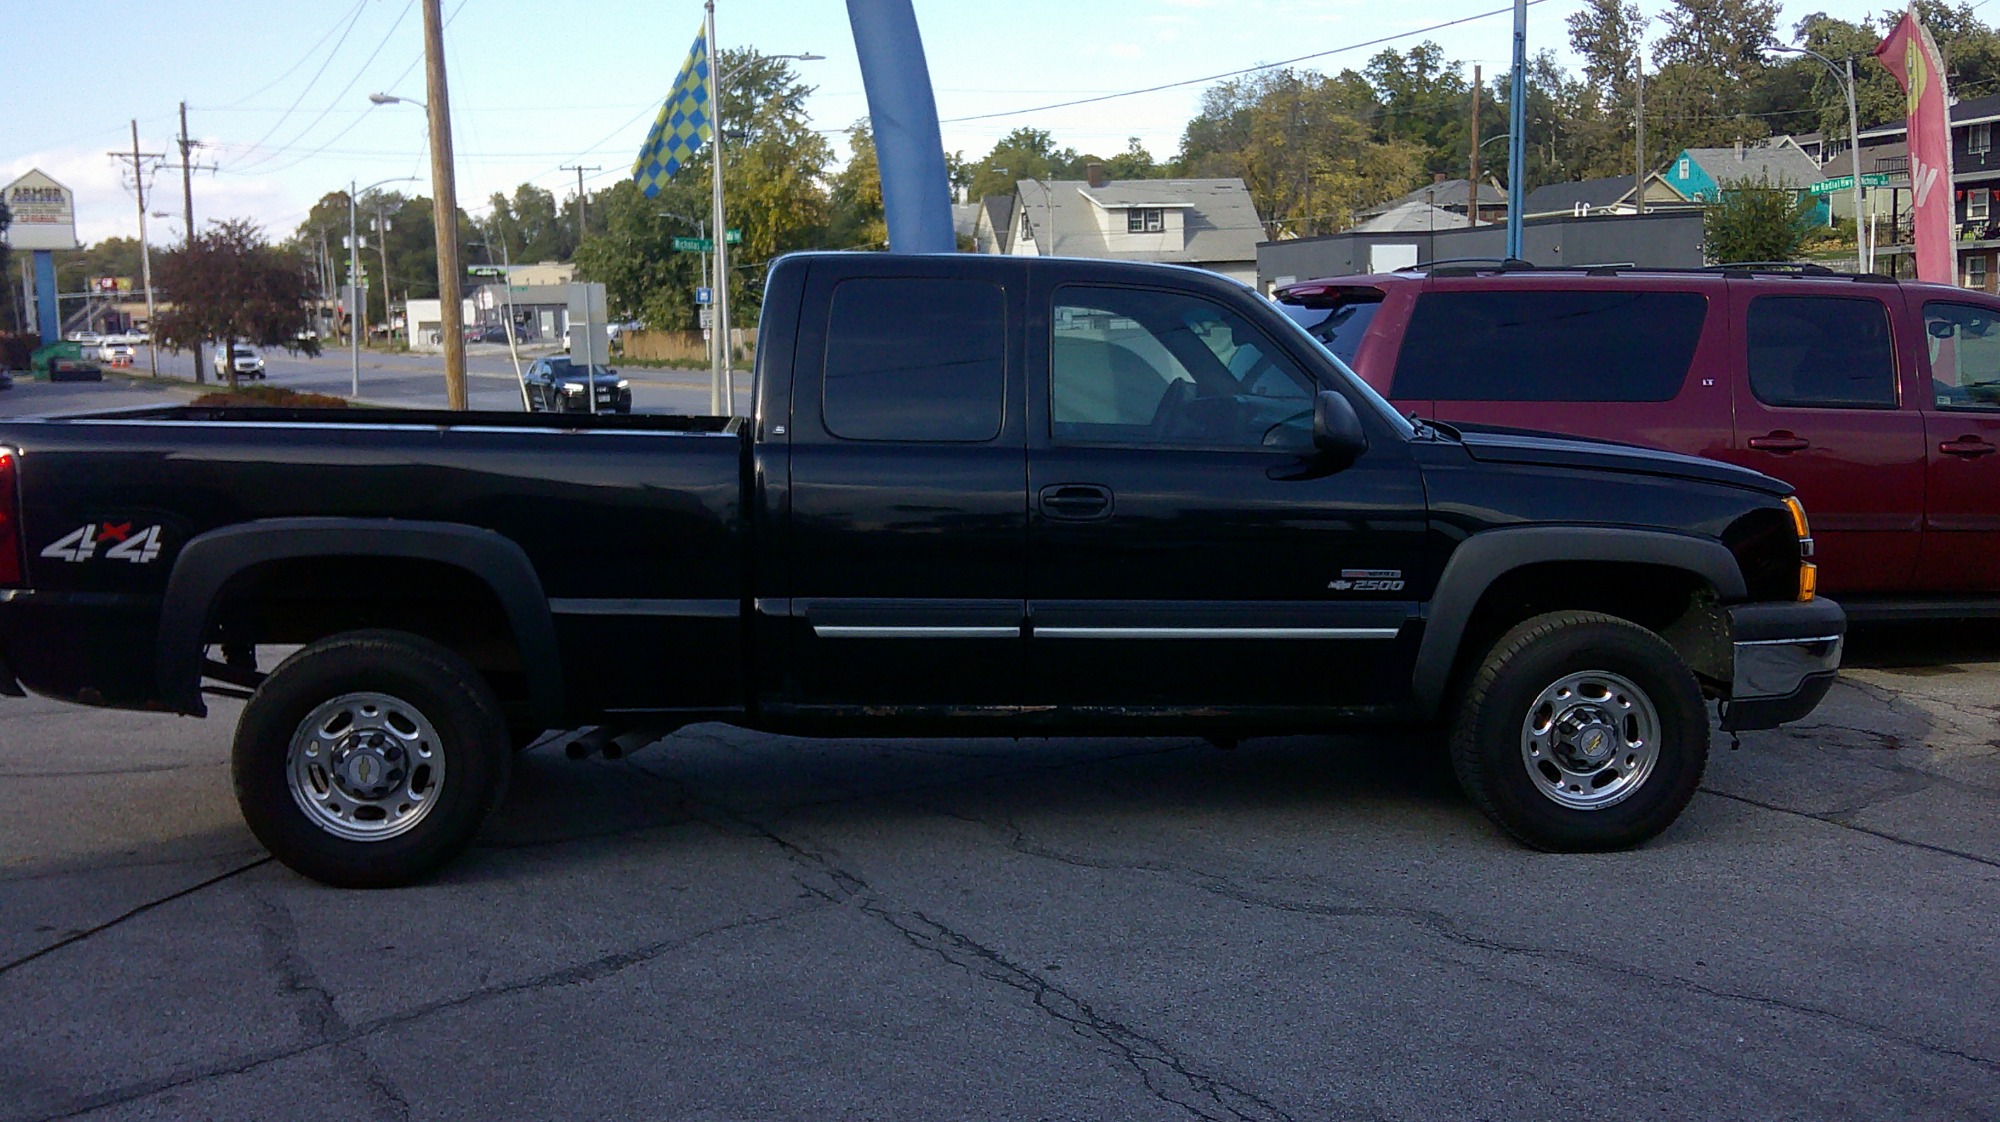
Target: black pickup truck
<point>974,496</point>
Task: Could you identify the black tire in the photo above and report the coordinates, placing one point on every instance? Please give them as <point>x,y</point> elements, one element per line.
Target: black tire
<point>1491,727</point>
<point>558,403</point>
<point>458,704</point>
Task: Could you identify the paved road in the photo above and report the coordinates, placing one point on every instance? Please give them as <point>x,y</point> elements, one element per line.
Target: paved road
<point>731,925</point>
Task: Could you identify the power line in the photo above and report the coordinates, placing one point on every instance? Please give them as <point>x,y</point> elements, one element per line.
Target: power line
<point>335,103</point>
<point>324,63</point>
<point>1246,70</point>
<point>293,68</point>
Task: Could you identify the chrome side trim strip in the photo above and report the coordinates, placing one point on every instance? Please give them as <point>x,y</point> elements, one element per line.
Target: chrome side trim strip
<point>1216,632</point>
<point>846,631</point>
<point>1786,642</point>
<point>698,609</point>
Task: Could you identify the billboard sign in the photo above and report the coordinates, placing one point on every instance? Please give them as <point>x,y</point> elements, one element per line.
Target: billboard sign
<point>44,213</point>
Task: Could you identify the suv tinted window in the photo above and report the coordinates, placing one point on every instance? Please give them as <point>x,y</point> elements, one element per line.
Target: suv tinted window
<point>1571,345</point>
<point>916,359</point>
<point>1965,355</point>
<point>1821,350</point>
<point>1340,328</point>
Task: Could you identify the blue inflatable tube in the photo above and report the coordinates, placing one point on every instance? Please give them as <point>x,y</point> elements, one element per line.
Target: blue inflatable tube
<point>902,111</point>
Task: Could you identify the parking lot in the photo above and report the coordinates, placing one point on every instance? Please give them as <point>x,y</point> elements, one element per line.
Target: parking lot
<point>730,925</point>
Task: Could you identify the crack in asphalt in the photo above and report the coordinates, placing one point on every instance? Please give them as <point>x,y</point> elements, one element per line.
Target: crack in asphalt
<point>138,911</point>
<point>278,936</point>
<point>1165,1074</point>
<point>1831,820</point>
<point>343,1033</point>
<point>1450,930</point>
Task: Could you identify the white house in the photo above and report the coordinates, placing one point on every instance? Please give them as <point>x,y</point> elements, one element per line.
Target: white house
<point>1208,223</point>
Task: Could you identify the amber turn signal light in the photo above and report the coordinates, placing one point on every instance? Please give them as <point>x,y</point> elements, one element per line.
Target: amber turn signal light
<point>1798,510</point>
<point>1808,580</point>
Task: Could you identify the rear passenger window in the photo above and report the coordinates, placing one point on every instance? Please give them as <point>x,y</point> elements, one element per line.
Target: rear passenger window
<point>1829,351</point>
<point>1964,344</point>
<point>916,359</point>
<point>1574,345</point>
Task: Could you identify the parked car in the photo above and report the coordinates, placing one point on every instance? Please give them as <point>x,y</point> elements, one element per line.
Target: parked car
<point>249,362</point>
<point>87,338</point>
<point>1879,400</point>
<point>556,385</point>
<point>116,353</point>
<point>976,495</point>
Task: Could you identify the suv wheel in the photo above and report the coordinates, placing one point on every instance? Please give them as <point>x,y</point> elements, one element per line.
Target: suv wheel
<point>369,759</point>
<point>1581,732</point>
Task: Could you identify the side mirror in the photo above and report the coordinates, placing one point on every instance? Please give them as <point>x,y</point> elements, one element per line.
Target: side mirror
<point>1337,431</point>
<point>1942,328</point>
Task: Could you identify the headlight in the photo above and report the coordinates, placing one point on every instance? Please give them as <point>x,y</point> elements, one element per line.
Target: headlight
<point>572,387</point>
<point>623,384</point>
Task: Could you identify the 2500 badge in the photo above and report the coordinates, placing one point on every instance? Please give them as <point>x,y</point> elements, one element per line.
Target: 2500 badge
<point>109,541</point>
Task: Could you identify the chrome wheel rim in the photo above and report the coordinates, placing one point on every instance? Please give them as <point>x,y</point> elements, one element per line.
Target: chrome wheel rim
<point>1590,739</point>
<point>365,766</point>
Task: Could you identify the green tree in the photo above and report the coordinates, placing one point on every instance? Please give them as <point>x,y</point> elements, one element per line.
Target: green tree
<point>1300,142</point>
<point>1756,222</point>
<point>231,285</point>
<point>773,179</point>
<point>1024,153</point>
<point>531,227</point>
<point>858,217</point>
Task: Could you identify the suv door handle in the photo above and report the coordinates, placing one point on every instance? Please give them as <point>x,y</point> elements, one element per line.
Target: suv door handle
<point>1968,446</point>
<point>1780,441</point>
<point>1076,502</point>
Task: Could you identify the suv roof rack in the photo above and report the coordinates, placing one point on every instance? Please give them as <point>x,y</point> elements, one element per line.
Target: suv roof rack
<point>1473,266</point>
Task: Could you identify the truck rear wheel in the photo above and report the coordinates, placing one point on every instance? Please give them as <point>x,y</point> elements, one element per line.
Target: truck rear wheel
<point>1581,732</point>
<point>369,759</point>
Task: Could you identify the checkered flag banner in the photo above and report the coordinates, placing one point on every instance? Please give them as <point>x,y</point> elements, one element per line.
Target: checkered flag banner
<point>685,123</point>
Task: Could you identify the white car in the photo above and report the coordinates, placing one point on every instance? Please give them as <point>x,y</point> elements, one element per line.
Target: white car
<point>119,352</point>
<point>248,363</point>
<point>87,338</point>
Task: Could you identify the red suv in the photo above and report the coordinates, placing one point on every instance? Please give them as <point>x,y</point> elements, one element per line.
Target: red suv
<point>1879,400</point>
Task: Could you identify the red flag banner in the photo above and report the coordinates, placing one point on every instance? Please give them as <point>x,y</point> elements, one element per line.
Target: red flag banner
<point>1912,56</point>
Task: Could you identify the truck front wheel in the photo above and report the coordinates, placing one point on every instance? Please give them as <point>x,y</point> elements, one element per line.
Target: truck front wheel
<point>369,759</point>
<point>1581,732</point>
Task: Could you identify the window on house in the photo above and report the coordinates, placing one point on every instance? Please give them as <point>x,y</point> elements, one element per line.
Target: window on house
<point>1975,272</point>
<point>1681,170</point>
<point>1979,139</point>
<point>1027,230</point>
<point>1145,220</point>
<point>1978,204</point>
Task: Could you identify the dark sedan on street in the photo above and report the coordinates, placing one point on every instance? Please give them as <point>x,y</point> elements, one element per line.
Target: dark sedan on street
<point>556,385</point>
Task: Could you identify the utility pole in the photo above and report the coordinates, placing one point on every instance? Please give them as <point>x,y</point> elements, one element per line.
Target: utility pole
<point>139,159</point>
<point>187,203</point>
<point>582,204</point>
<point>1472,180</point>
<point>355,304</point>
<point>382,244</point>
<point>722,383</point>
<point>444,189</point>
<point>1517,144</point>
<point>1639,122</point>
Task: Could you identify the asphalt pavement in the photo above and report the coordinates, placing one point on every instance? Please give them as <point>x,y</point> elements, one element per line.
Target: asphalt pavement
<point>738,926</point>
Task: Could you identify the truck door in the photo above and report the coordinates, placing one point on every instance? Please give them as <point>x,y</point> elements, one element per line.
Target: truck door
<point>908,490</point>
<point>1185,554</point>
<point>1961,547</point>
<point>1819,405</point>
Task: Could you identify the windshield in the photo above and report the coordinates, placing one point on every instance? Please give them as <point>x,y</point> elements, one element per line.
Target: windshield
<point>1338,328</point>
<point>567,369</point>
<point>1375,400</point>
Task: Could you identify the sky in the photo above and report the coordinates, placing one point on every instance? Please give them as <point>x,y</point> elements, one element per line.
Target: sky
<point>278,93</point>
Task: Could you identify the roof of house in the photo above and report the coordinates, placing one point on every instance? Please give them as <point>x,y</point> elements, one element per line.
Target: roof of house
<point>1447,193</point>
<point>964,218</point>
<point>1970,111</point>
<point>1780,166</point>
<point>1220,220</point>
<point>1410,217</point>
<point>1871,160</point>
<point>1564,198</point>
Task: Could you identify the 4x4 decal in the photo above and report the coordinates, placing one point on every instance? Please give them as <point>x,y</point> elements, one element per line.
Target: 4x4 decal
<point>118,539</point>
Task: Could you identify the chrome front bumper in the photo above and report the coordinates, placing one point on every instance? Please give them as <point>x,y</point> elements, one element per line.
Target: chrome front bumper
<point>1786,658</point>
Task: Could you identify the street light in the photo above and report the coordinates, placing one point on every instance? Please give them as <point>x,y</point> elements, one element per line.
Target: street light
<point>356,315</point>
<point>392,99</point>
<point>1864,252</point>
